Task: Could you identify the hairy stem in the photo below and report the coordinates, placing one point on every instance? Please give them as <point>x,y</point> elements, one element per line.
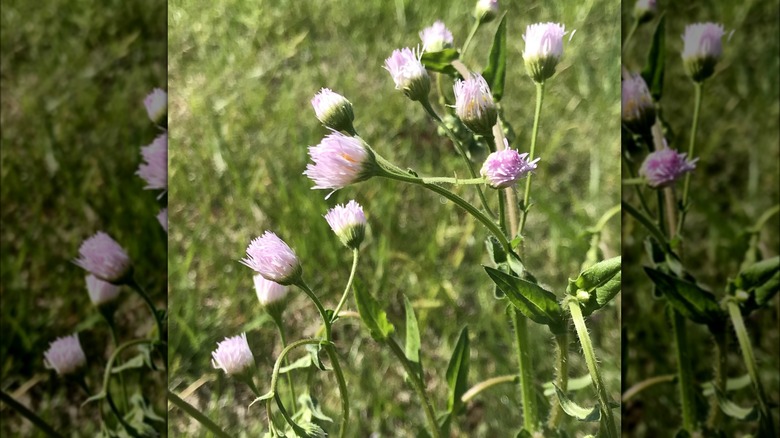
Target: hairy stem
<point>684,371</point>
<point>276,317</point>
<point>561,377</point>
<point>136,287</point>
<point>487,384</point>
<point>525,367</point>
<point>719,381</point>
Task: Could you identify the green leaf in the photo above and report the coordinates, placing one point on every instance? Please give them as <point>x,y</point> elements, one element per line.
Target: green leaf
<point>372,315</point>
<point>137,361</point>
<point>314,356</point>
<point>575,384</point>
<point>689,299</point>
<point>574,410</point>
<point>266,396</point>
<point>495,72</point>
<point>523,434</point>
<point>303,362</point>
<point>441,62</point>
<point>765,292</point>
<point>413,344</point>
<point>733,384</point>
<point>757,274</point>
<point>96,397</point>
<point>539,305</point>
<point>595,276</point>
<point>653,73</point>
<point>312,407</point>
<point>458,372</point>
<point>602,296</point>
<point>496,251</point>
<point>734,410</point>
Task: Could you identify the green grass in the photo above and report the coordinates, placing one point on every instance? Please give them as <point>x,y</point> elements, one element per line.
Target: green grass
<point>736,180</point>
<point>241,77</point>
<point>74,77</point>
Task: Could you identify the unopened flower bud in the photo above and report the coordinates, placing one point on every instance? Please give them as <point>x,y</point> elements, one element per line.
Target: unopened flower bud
<point>233,356</point>
<point>270,257</point>
<point>583,295</point>
<point>409,74</point>
<point>348,222</point>
<point>504,168</point>
<point>333,110</point>
<point>156,104</point>
<point>543,49</point>
<point>486,10</point>
<point>269,293</point>
<point>105,259</point>
<point>101,292</point>
<point>475,106</point>
<point>436,38</point>
<point>638,110</point>
<point>65,355</point>
<point>702,49</point>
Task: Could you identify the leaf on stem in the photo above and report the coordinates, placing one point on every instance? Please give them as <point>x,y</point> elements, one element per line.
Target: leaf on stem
<point>137,361</point>
<point>495,72</point>
<point>687,298</point>
<point>537,304</point>
<point>303,362</point>
<point>266,396</point>
<point>595,276</point>
<point>653,73</point>
<point>458,372</point>
<point>371,313</point>
<point>441,62</point>
<point>574,410</point>
<point>733,410</point>
<point>413,343</point>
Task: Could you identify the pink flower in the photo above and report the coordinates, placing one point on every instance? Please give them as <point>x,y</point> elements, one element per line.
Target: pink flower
<point>348,222</point>
<point>702,49</point>
<point>339,161</point>
<point>268,292</point>
<point>638,109</point>
<point>101,292</point>
<point>65,355</point>
<point>162,217</point>
<point>436,38</point>
<point>409,74</point>
<point>543,49</point>
<point>333,110</point>
<point>270,257</point>
<point>474,105</point>
<point>101,256</point>
<point>155,169</point>
<point>156,104</point>
<point>665,166</point>
<point>233,356</point>
<point>504,168</point>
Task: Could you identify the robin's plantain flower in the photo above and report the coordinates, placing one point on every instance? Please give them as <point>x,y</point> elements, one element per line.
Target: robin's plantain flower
<point>269,292</point>
<point>348,222</point>
<point>65,355</point>
<point>436,37</point>
<point>101,256</point>
<point>270,257</point>
<point>333,110</point>
<point>339,161</point>
<point>543,49</point>
<point>638,110</point>
<point>155,168</point>
<point>409,74</point>
<point>101,292</point>
<point>233,356</point>
<point>474,105</point>
<point>156,104</point>
<point>665,166</point>
<point>702,49</point>
<point>504,168</point>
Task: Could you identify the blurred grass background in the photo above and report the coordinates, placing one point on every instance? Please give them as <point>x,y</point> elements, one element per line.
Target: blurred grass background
<point>241,76</point>
<point>73,79</point>
<point>736,180</point>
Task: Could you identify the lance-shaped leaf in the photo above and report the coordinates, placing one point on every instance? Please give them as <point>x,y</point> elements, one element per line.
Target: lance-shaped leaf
<point>371,313</point>
<point>495,72</point>
<point>537,304</point>
<point>734,410</point>
<point>441,62</point>
<point>458,372</point>
<point>602,295</point>
<point>575,410</point>
<point>689,299</point>
<point>595,276</point>
<point>412,346</point>
<point>653,73</point>
<point>757,274</point>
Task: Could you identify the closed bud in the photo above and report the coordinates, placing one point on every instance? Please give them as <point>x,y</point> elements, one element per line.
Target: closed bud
<point>543,49</point>
<point>348,222</point>
<point>409,74</point>
<point>638,109</point>
<point>486,10</point>
<point>645,10</point>
<point>65,355</point>
<point>475,106</point>
<point>702,49</point>
<point>333,110</point>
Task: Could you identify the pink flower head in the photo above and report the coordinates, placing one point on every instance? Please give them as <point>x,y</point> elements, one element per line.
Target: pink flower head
<point>270,257</point>
<point>644,10</point>
<point>233,356</point>
<point>702,48</point>
<point>638,110</point>
<point>348,222</point>
<point>665,166</point>
<point>162,217</point>
<point>101,256</point>
<point>333,110</point>
<point>339,161</point>
<point>101,292</point>
<point>474,104</point>
<point>156,104</point>
<point>268,292</point>
<point>543,49</point>
<point>436,38</point>
<point>65,355</point>
<point>409,74</point>
<point>504,168</point>
<point>486,10</point>
<point>155,169</point>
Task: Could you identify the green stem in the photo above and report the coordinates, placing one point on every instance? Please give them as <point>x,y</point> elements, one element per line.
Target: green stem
<point>193,412</point>
<point>648,224</point>
<point>296,428</point>
<point>459,148</point>
<point>535,132</point>
<point>418,386</point>
<point>285,351</point>
<point>455,181</point>
<point>590,359</point>
<point>645,384</point>
<point>561,377</point>
<point>334,361</point>
<point>720,377</point>
<point>638,189</point>
<point>277,318</point>
<point>472,32</point>
<point>489,383</point>
<point>631,32</point>
<point>750,362</point>
<point>355,256</point>
<point>325,320</point>
<point>115,338</point>
<point>525,367</point>
<point>684,372</point>
<point>136,287</point>
<point>462,203</point>
<point>691,148</point>
<point>29,415</point>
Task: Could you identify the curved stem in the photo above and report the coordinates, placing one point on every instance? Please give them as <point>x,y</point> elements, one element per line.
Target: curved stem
<point>750,362</point>
<point>561,376</point>
<point>334,361</point>
<point>296,428</point>
<point>537,116</point>
<point>325,320</point>
<point>355,256</point>
<point>525,367</point>
<point>590,359</point>
<point>691,147</point>
<point>456,142</point>
<point>684,371</point>
<point>283,355</point>
<point>472,32</point>
<point>645,384</point>
<point>29,415</point>
<point>115,338</point>
<point>193,412</point>
<point>630,34</point>
<point>489,383</point>
<point>136,287</point>
<point>418,386</point>
<point>280,326</point>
